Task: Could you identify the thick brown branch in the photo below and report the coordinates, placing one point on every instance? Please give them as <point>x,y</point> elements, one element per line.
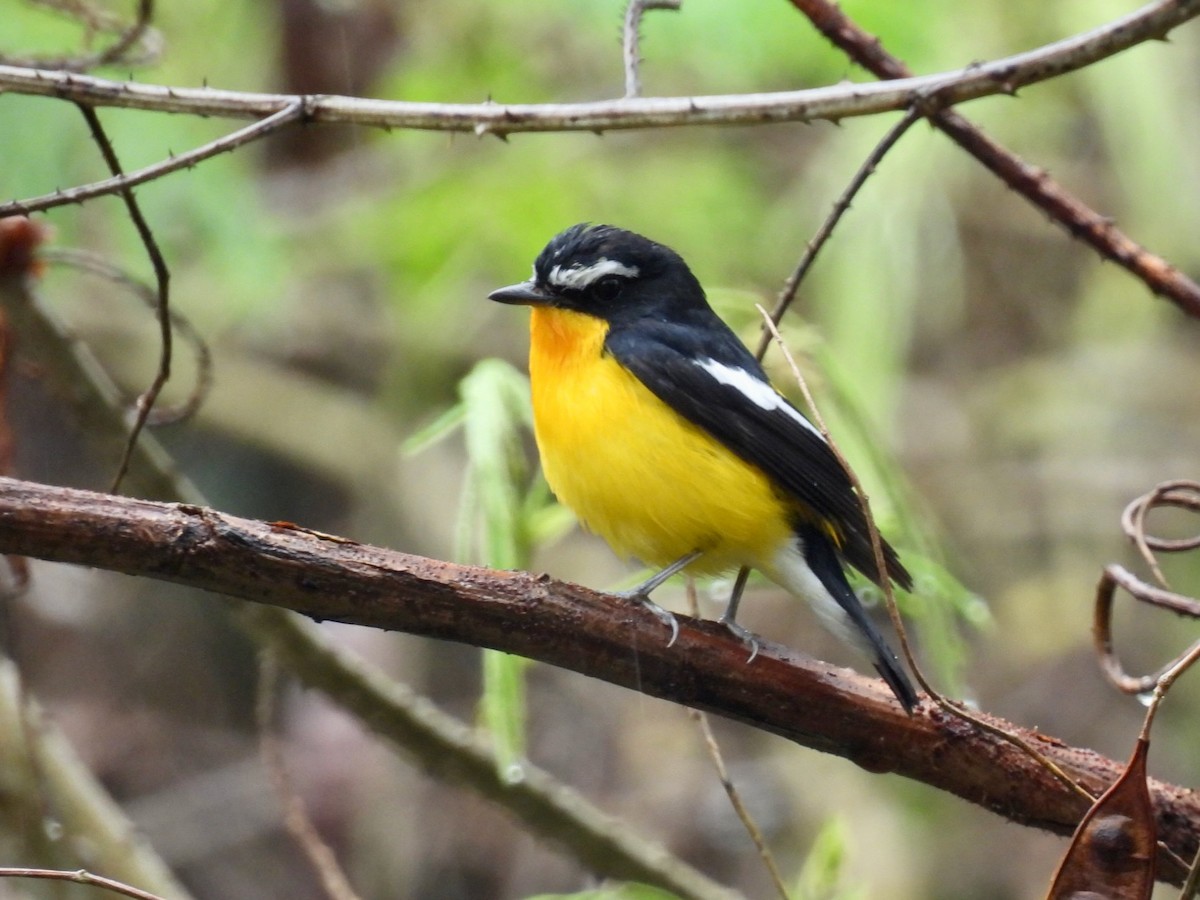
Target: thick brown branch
<point>812,703</point>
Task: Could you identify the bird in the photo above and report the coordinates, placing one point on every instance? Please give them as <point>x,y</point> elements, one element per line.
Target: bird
<point>661,431</point>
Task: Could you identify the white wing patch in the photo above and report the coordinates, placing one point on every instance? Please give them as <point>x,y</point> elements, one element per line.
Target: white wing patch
<point>755,390</point>
<point>578,277</point>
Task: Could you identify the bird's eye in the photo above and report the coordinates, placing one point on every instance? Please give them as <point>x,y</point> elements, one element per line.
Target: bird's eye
<point>607,288</point>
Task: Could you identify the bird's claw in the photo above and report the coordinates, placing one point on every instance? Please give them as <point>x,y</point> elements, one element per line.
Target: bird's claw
<point>663,615</point>
<point>745,634</point>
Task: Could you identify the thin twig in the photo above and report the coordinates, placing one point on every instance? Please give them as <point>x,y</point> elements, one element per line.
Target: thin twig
<point>1191,887</point>
<point>1185,494</point>
<point>632,37</point>
<point>1031,182</point>
<point>735,797</point>
<point>885,581</point>
<point>739,806</point>
<point>162,276</point>
<point>770,331</point>
<point>1165,681</point>
<point>1112,577</point>
<point>889,595</point>
<point>770,321</point>
<point>79,876</point>
<point>272,123</point>
<point>94,264</point>
<point>295,812</point>
<point>446,749</point>
<point>788,293</point>
<point>116,52</point>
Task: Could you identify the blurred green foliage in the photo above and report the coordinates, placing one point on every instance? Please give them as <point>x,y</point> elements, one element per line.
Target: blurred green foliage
<point>823,870</point>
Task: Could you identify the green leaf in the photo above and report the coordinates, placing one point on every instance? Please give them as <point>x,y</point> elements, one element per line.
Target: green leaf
<point>824,868</point>
<point>495,400</point>
<point>440,428</point>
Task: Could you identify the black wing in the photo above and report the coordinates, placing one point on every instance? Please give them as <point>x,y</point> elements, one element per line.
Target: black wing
<point>703,372</point>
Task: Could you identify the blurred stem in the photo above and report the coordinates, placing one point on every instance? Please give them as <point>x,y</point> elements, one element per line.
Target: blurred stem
<point>451,751</point>
<point>296,817</point>
<point>39,766</point>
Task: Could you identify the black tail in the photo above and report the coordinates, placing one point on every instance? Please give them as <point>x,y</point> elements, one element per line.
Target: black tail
<point>822,559</point>
<point>888,667</point>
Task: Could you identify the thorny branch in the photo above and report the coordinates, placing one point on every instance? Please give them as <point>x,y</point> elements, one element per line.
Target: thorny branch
<point>632,38</point>
<point>1033,183</point>
<point>834,102</point>
<point>253,132</point>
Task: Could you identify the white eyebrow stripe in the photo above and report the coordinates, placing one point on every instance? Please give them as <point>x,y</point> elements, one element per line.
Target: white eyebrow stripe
<point>578,277</point>
<point>755,390</point>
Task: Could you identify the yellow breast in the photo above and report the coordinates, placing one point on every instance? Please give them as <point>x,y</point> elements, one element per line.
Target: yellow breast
<point>650,483</point>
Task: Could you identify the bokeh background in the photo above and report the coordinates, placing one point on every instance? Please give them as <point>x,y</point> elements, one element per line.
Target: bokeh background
<point>1004,391</point>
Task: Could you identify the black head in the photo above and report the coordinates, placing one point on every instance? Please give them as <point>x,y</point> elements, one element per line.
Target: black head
<point>609,273</point>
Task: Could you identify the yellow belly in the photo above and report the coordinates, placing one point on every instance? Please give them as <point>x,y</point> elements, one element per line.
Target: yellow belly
<point>653,485</point>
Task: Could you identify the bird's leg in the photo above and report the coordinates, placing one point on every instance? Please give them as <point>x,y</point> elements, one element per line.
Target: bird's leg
<point>641,593</point>
<point>728,618</point>
<point>656,580</point>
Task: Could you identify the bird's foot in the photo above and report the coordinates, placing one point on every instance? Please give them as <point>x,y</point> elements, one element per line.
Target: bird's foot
<point>747,636</point>
<point>639,596</point>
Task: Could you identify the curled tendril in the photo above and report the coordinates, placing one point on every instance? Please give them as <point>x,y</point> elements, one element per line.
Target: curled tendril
<point>1179,495</point>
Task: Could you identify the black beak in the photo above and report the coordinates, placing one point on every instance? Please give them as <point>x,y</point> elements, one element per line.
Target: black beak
<point>527,293</point>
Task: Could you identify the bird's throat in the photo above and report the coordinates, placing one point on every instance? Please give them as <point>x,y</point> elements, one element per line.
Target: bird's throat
<point>561,337</point>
